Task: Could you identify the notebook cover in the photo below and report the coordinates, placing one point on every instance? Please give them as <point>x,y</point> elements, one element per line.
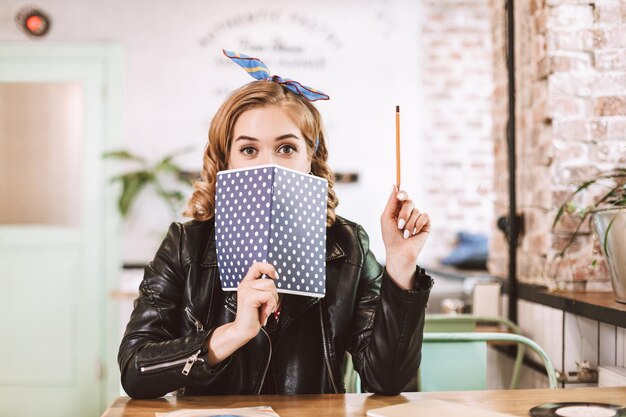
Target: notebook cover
<point>272,214</point>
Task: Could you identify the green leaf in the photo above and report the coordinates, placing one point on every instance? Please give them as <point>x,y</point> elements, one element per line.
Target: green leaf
<point>606,236</point>
<point>147,175</point>
<point>166,162</point>
<point>122,154</point>
<point>588,210</point>
<point>132,184</point>
<point>558,216</point>
<point>167,166</point>
<point>172,195</point>
<point>135,181</point>
<point>570,207</point>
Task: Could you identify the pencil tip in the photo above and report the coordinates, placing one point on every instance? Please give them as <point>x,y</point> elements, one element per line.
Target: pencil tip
<point>397,109</point>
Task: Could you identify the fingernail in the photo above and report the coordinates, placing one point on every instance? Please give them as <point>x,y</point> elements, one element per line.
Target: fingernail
<point>276,273</point>
<point>401,196</point>
<point>406,234</point>
<point>414,230</point>
<point>265,322</point>
<point>401,223</point>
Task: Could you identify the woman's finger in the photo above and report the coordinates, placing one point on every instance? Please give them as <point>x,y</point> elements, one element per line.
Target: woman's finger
<point>267,305</point>
<point>411,223</point>
<point>258,299</point>
<point>257,269</point>
<point>422,224</point>
<point>264,285</point>
<point>393,203</point>
<point>267,311</point>
<point>267,285</point>
<point>405,214</point>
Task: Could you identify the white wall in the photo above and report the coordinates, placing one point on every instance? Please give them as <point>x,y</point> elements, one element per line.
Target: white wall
<point>363,54</point>
<point>569,339</point>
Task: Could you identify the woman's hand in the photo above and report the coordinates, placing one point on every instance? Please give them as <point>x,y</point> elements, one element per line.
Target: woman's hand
<point>256,299</point>
<point>405,230</point>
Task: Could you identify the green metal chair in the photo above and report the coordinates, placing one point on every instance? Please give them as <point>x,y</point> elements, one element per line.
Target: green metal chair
<point>440,323</point>
<point>351,379</point>
<point>454,356</point>
<point>435,372</point>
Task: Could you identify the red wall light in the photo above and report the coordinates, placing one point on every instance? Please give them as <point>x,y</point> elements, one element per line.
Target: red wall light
<point>33,21</point>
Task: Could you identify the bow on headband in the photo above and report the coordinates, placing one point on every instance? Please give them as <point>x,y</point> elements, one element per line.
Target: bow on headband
<point>258,70</point>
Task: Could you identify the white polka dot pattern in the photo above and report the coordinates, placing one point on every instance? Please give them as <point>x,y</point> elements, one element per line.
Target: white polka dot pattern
<point>272,214</point>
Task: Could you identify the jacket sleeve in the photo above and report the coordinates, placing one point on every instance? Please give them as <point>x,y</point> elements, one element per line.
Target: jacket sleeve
<point>153,354</point>
<point>388,326</point>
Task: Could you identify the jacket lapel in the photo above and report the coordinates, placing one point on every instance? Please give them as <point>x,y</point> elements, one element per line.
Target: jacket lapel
<point>333,250</point>
<point>210,254</point>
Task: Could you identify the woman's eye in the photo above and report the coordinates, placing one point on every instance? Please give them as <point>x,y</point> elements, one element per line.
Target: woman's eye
<point>287,149</point>
<point>248,151</point>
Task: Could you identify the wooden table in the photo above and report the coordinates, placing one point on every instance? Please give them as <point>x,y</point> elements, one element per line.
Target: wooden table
<point>516,402</point>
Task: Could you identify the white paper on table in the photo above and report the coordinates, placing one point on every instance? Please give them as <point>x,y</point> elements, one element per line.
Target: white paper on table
<point>430,408</point>
<point>261,411</point>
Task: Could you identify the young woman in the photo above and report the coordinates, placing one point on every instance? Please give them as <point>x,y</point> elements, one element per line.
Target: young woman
<point>187,335</point>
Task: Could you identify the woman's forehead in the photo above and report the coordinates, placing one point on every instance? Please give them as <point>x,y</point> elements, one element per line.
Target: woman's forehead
<point>265,123</point>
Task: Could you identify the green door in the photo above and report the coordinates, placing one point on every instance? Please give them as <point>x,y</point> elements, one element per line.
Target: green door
<point>56,259</point>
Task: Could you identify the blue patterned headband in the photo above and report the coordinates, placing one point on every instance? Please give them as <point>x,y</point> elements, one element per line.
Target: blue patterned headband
<point>259,71</point>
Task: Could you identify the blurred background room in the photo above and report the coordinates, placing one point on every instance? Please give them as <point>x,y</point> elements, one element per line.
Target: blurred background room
<point>104,112</point>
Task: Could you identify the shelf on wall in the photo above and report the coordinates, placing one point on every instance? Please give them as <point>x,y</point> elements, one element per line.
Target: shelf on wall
<point>599,306</point>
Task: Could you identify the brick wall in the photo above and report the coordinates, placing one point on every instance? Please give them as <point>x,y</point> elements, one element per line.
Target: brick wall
<point>457,88</point>
<point>571,123</point>
<point>497,244</point>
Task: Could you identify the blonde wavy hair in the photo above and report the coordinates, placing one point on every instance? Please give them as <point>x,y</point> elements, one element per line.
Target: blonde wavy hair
<point>201,205</point>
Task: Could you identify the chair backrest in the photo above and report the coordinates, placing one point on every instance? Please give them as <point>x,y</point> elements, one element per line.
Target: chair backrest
<point>472,369</point>
<point>454,356</point>
<point>464,322</point>
<point>351,379</point>
<point>434,375</point>
<point>452,366</point>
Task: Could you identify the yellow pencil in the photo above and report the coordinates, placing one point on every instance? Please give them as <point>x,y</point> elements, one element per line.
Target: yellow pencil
<point>398,146</point>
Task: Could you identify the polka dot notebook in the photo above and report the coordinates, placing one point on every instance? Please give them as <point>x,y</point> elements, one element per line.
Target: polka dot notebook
<point>272,214</point>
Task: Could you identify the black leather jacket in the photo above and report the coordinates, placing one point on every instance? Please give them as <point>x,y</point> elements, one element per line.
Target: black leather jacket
<point>364,312</point>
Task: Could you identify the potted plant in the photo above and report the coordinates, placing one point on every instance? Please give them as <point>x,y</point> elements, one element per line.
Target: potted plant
<point>160,175</point>
<point>608,211</point>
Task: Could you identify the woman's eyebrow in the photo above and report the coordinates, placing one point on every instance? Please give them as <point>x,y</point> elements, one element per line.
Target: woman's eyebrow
<point>287,136</point>
<point>244,137</point>
<point>282,137</point>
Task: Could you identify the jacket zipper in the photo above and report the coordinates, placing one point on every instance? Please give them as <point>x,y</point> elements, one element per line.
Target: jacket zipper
<point>267,365</point>
<point>189,362</point>
<point>269,356</point>
<point>326,356</point>
<point>195,321</point>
